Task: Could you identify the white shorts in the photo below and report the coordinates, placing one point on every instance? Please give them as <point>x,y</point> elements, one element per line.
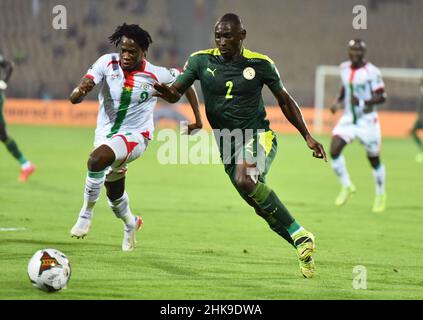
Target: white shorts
<point>127,147</point>
<point>366,130</point>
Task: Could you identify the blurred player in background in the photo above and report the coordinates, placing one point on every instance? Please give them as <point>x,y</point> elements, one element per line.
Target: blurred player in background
<point>418,125</point>
<point>232,78</point>
<point>362,90</point>
<point>27,168</point>
<point>124,124</point>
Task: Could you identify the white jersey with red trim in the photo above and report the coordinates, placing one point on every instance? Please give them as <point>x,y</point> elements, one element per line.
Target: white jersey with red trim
<point>126,101</point>
<point>361,83</point>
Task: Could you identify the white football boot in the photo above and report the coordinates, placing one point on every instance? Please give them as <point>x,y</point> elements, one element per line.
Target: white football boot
<point>129,240</point>
<point>81,228</point>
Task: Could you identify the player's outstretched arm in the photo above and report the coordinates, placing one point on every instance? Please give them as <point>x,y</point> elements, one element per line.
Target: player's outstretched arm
<point>293,113</point>
<point>169,93</point>
<point>192,97</point>
<point>79,93</point>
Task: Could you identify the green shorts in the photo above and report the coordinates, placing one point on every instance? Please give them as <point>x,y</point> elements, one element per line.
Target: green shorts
<point>260,150</point>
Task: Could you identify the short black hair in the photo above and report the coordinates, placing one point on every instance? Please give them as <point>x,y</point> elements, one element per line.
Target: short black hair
<point>134,32</point>
<point>231,18</point>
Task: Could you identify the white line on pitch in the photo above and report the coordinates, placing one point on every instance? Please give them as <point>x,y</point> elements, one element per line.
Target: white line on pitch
<point>13,229</point>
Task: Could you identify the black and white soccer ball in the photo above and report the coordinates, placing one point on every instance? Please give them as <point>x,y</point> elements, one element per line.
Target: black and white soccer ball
<point>49,270</point>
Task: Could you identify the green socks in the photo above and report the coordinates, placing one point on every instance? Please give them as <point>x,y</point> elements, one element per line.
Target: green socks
<point>14,150</point>
<point>270,203</point>
<point>276,214</point>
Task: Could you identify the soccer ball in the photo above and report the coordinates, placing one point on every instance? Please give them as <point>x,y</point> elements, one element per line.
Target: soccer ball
<point>49,270</point>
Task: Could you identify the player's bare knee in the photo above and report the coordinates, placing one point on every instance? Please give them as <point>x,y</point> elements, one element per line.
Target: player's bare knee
<point>335,151</point>
<point>96,162</point>
<point>245,183</point>
<point>101,158</point>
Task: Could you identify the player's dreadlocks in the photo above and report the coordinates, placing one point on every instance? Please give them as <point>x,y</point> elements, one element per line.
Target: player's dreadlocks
<point>134,32</point>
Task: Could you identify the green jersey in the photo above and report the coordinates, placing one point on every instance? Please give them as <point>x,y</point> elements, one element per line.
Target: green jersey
<point>232,90</point>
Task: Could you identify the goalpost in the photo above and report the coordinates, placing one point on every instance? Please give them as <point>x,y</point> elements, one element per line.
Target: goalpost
<point>323,72</point>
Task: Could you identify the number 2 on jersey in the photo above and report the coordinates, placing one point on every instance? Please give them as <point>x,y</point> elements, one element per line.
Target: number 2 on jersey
<point>229,84</point>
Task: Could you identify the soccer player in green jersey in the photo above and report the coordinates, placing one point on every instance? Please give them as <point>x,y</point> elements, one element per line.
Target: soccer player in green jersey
<point>27,168</point>
<point>418,125</point>
<point>232,79</point>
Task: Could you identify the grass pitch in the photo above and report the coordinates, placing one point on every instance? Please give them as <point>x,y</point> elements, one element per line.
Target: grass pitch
<point>200,240</point>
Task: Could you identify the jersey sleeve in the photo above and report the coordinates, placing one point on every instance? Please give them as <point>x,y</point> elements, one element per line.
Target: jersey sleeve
<point>376,81</point>
<point>168,76</point>
<point>189,73</point>
<point>97,71</point>
<point>271,77</point>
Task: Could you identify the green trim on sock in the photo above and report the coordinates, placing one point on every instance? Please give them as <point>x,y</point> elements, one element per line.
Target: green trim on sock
<point>94,174</point>
<point>22,160</point>
<point>293,227</point>
<point>260,193</point>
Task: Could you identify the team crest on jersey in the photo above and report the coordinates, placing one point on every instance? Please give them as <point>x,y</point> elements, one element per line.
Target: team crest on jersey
<point>249,73</point>
<point>115,76</point>
<point>145,86</point>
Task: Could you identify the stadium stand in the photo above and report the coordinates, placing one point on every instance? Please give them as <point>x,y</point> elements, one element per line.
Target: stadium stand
<point>292,33</point>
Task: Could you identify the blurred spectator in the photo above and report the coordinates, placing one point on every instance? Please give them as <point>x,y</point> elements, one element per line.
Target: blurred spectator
<point>81,41</point>
<point>157,52</point>
<point>35,8</point>
<point>140,6</point>
<point>103,48</point>
<point>21,56</point>
<point>71,32</point>
<point>122,4</point>
<point>43,92</point>
<point>92,18</point>
<point>45,37</point>
<point>173,53</point>
<point>59,51</point>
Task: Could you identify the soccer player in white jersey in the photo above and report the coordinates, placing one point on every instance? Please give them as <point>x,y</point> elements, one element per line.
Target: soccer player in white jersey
<point>124,123</point>
<point>362,90</point>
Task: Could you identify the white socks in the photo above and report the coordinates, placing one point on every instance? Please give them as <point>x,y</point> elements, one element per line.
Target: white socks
<point>93,184</point>
<point>379,175</point>
<point>338,165</point>
<point>122,211</point>
<point>26,165</point>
